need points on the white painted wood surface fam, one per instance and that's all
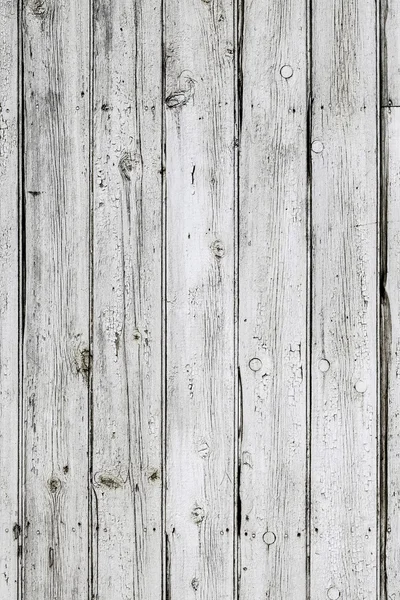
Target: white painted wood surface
(199, 300)
(126, 420)
(344, 203)
(391, 330)
(56, 358)
(390, 297)
(273, 301)
(200, 230)
(9, 292)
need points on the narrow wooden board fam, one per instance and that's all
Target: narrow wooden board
(390, 52)
(344, 315)
(56, 333)
(273, 301)
(9, 347)
(391, 352)
(127, 411)
(390, 299)
(200, 443)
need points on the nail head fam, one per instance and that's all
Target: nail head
(324, 365)
(333, 593)
(361, 386)
(317, 146)
(286, 71)
(255, 364)
(269, 537)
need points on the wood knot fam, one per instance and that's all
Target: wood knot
(183, 95)
(154, 475)
(203, 450)
(16, 531)
(39, 7)
(54, 485)
(109, 480)
(84, 362)
(198, 514)
(218, 249)
(127, 163)
(195, 584)
(137, 336)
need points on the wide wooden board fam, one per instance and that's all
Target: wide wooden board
(126, 420)
(56, 354)
(273, 298)
(200, 429)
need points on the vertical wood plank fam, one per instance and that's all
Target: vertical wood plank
(9, 527)
(344, 319)
(56, 334)
(273, 300)
(390, 298)
(390, 52)
(127, 298)
(199, 41)
(390, 352)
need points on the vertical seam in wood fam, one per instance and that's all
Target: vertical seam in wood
(92, 500)
(383, 311)
(238, 14)
(236, 461)
(309, 300)
(164, 385)
(21, 302)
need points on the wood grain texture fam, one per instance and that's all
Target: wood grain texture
(391, 350)
(199, 300)
(273, 300)
(56, 333)
(199, 40)
(390, 52)
(9, 347)
(127, 299)
(390, 299)
(344, 318)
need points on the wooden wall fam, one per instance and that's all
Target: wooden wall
(199, 299)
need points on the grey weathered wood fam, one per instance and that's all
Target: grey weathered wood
(390, 300)
(200, 444)
(390, 517)
(127, 299)
(390, 52)
(273, 301)
(56, 328)
(199, 300)
(344, 308)
(9, 529)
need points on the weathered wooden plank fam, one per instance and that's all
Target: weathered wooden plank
(390, 52)
(56, 333)
(391, 351)
(390, 299)
(344, 314)
(200, 443)
(273, 300)
(9, 529)
(127, 298)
